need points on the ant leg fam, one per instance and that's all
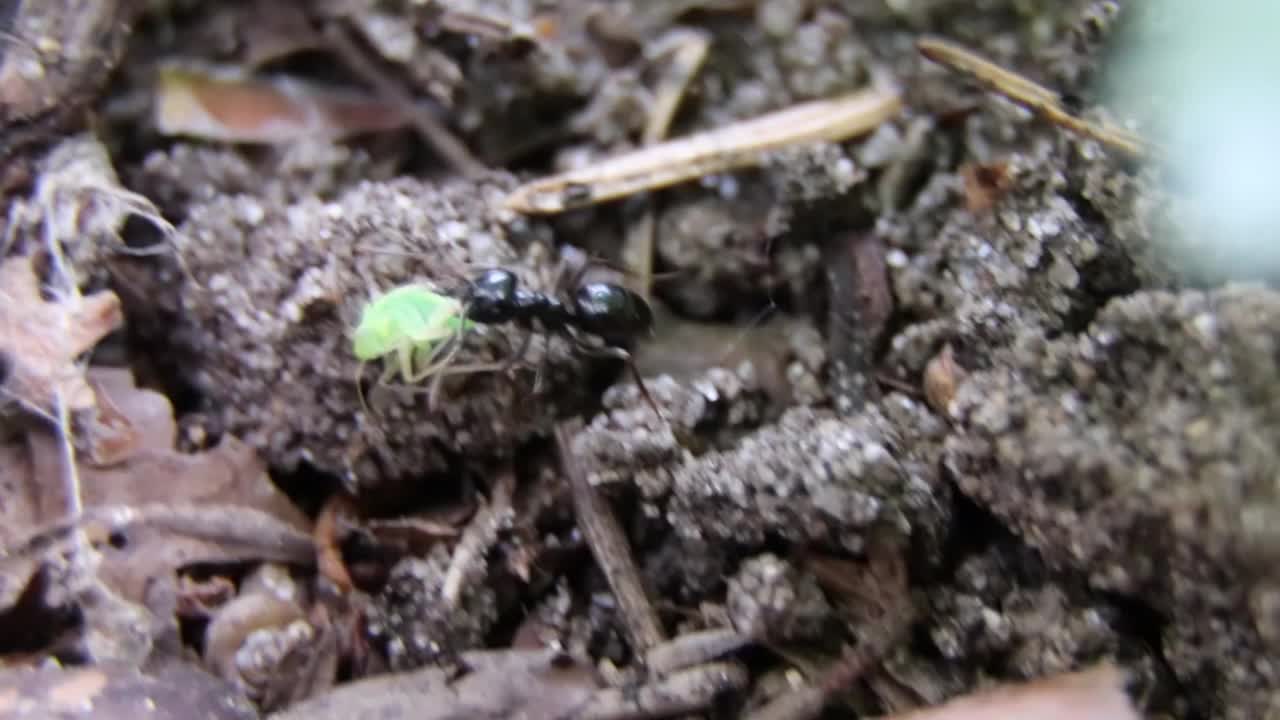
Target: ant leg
(519, 354)
(439, 370)
(625, 356)
(543, 364)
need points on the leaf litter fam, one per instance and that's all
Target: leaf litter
(962, 254)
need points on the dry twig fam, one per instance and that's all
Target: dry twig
(688, 50)
(1036, 98)
(609, 547)
(740, 145)
(476, 539)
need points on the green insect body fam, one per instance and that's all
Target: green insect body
(410, 321)
(411, 327)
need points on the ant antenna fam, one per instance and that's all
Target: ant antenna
(754, 323)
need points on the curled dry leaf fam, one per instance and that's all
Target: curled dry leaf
(232, 106)
(1094, 694)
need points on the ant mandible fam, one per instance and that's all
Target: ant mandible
(610, 312)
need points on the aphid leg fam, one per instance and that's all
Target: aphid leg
(438, 361)
(440, 369)
(364, 405)
(515, 357)
(404, 363)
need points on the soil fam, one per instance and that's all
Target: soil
(954, 341)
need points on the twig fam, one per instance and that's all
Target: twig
(1023, 91)
(254, 530)
(689, 51)
(609, 547)
(478, 537)
(81, 550)
(739, 145)
(885, 590)
(681, 692)
(435, 134)
(809, 701)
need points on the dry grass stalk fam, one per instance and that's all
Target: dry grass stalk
(1033, 96)
(742, 144)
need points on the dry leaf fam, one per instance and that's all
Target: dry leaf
(230, 106)
(219, 487)
(1093, 694)
(41, 340)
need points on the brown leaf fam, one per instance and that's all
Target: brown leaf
(229, 483)
(41, 339)
(231, 106)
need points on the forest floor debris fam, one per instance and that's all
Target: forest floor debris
(935, 415)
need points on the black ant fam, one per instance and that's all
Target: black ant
(611, 312)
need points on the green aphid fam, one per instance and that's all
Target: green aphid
(417, 331)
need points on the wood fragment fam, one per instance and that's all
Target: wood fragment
(859, 307)
(1029, 94)
(692, 649)
(681, 692)
(609, 546)
(259, 534)
(740, 145)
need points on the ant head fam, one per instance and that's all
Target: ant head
(490, 296)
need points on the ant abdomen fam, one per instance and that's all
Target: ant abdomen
(611, 311)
